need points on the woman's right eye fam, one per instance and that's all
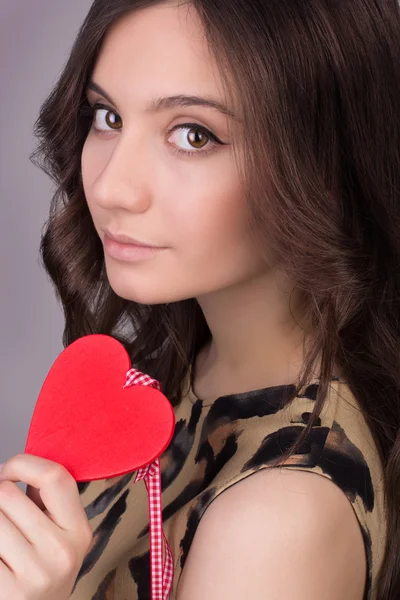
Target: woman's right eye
(103, 118)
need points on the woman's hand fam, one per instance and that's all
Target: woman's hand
(44, 535)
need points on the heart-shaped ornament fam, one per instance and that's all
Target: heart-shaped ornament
(87, 421)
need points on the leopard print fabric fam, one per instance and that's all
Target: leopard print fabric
(214, 446)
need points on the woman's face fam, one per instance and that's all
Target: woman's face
(151, 176)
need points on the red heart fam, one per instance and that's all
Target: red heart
(87, 421)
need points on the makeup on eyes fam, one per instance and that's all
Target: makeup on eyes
(91, 110)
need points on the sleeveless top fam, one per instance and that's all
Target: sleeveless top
(214, 446)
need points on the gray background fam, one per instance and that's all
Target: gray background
(35, 39)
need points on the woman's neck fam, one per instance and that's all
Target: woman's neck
(258, 338)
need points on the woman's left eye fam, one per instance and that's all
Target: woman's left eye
(199, 139)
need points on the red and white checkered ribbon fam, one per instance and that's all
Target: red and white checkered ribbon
(161, 574)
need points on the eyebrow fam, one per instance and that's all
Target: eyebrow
(170, 101)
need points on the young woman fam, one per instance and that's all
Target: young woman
(254, 144)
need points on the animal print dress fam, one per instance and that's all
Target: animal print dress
(214, 446)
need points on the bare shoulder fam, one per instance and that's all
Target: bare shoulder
(279, 533)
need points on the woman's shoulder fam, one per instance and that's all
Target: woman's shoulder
(275, 527)
(248, 432)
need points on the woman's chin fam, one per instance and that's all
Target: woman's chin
(141, 292)
(139, 296)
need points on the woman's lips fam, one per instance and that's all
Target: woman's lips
(128, 252)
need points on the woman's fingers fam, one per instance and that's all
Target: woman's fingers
(13, 546)
(7, 580)
(30, 520)
(41, 551)
(58, 491)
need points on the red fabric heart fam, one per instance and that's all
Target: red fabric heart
(87, 421)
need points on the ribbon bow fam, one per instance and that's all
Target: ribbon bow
(161, 574)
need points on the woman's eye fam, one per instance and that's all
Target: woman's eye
(105, 119)
(191, 138)
(187, 138)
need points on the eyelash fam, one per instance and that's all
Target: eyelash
(90, 111)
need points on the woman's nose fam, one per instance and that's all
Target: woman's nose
(125, 180)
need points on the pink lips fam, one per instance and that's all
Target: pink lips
(125, 239)
(129, 252)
